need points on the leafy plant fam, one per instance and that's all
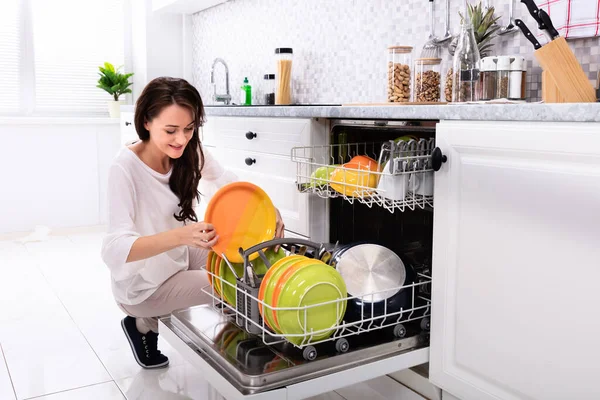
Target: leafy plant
(484, 26)
(113, 81)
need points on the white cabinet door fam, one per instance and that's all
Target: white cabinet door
(516, 261)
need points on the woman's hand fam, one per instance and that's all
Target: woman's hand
(279, 226)
(201, 235)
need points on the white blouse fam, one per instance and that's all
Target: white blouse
(141, 203)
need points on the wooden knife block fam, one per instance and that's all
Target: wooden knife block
(550, 92)
(565, 81)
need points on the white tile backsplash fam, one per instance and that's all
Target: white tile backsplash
(339, 46)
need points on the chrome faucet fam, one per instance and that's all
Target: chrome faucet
(225, 98)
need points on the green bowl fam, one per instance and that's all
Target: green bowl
(313, 284)
(259, 265)
(229, 292)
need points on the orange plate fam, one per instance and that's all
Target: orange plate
(243, 216)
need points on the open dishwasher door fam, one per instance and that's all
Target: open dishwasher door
(240, 366)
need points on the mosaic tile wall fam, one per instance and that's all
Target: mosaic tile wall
(339, 46)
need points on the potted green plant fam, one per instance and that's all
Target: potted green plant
(116, 84)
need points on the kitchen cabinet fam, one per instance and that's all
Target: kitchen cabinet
(184, 6)
(258, 150)
(128, 133)
(516, 261)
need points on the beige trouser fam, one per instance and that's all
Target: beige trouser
(182, 290)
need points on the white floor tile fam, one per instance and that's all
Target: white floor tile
(382, 388)
(48, 355)
(181, 382)
(6, 389)
(104, 391)
(327, 396)
(106, 337)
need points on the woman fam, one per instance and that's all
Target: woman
(155, 245)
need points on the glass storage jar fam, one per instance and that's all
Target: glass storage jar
(488, 77)
(503, 76)
(284, 57)
(427, 80)
(399, 74)
(269, 89)
(517, 78)
(448, 77)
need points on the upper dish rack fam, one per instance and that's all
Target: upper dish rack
(396, 175)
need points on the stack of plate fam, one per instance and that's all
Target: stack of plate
(225, 281)
(290, 287)
(243, 216)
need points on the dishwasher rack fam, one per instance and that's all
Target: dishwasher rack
(245, 313)
(398, 176)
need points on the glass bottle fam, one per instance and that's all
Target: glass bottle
(466, 63)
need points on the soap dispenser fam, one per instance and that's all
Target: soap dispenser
(246, 98)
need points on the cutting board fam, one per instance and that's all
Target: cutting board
(413, 103)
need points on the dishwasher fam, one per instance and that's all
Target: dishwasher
(244, 359)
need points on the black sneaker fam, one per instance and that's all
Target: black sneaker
(144, 346)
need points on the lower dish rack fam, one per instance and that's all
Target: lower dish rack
(368, 315)
(395, 175)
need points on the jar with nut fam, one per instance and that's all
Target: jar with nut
(399, 74)
(427, 78)
(448, 75)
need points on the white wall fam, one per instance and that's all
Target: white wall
(54, 172)
(158, 44)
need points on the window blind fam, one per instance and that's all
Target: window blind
(10, 79)
(71, 38)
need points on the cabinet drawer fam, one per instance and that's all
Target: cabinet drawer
(267, 164)
(128, 133)
(292, 205)
(265, 135)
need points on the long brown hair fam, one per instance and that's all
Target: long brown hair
(158, 94)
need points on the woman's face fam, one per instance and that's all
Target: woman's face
(171, 130)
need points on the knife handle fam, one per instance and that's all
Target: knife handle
(534, 10)
(528, 34)
(548, 23)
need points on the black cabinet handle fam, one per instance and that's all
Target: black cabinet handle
(250, 135)
(249, 161)
(127, 123)
(437, 158)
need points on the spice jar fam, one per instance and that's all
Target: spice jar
(488, 78)
(517, 78)
(503, 76)
(448, 80)
(427, 78)
(269, 89)
(399, 77)
(284, 56)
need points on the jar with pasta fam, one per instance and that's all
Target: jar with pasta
(399, 73)
(427, 80)
(283, 94)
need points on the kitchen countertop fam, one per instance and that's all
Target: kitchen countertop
(565, 112)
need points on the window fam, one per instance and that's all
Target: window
(10, 45)
(56, 75)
